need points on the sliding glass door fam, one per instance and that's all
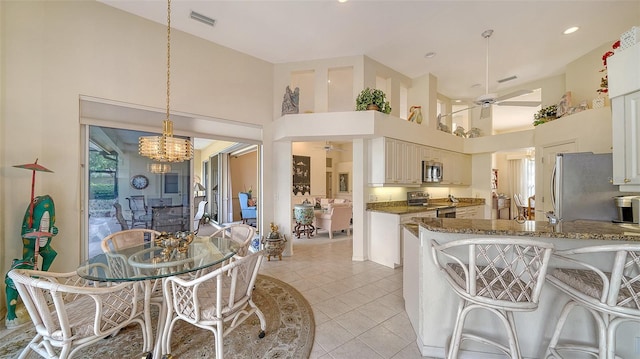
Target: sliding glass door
(127, 191)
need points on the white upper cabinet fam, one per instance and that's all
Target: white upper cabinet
(623, 71)
(402, 164)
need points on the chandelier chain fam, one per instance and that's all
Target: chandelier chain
(168, 54)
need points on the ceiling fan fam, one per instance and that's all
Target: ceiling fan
(488, 99)
(328, 147)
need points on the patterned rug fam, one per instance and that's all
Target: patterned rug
(290, 332)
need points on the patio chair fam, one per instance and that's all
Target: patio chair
(70, 313)
(213, 299)
(199, 215)
(139, 211)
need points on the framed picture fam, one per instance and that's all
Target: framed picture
(343, 182)
(301, 175)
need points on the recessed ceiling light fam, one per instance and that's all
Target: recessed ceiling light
(571, 30)
(342, 0)
(429, 55)
(457, 101)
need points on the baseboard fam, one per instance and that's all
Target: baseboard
(438, 352)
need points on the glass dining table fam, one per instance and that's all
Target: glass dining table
(150, 262)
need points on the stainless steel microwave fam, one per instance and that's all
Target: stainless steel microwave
(431, 172)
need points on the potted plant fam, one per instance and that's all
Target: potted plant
(372, 99)
(546, 114)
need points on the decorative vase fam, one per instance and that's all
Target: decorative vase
(274, 247)
(373, 107)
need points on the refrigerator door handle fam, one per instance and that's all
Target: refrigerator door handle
(553, 187)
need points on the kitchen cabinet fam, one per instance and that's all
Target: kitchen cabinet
(470, 212)
(623, 70)
(411, 276)
(456, 169)
(400, 165)
(385, 236)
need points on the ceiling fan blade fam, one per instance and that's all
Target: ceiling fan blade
(451, 113)
(513, 94)
(519, 103)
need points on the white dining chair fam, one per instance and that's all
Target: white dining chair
(499, 275)
(240, 234)
(611, 294)
(218, 301)
(70, 313)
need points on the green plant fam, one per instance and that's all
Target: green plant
(372, 97)
(545, 114)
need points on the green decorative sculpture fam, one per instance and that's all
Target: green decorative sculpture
(35, 242)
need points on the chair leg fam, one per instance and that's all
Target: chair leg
(263, 320)
(599, 352)
(506, 317)
(456, 336)
(219, 340)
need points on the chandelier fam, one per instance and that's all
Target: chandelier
(166, 148)
(157, 167)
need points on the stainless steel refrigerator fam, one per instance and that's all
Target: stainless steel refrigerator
(582, 188)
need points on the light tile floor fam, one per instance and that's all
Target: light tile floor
(358, 306)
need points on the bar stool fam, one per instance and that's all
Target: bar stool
(304, 220)
(611, 295)
(502, 275)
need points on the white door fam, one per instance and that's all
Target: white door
(548, 163)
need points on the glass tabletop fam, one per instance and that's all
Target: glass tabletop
(151, 261)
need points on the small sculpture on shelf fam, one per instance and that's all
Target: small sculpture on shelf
(290, 102)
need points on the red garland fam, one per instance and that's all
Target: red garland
(604, 82)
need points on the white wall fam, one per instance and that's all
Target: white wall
(69, 49)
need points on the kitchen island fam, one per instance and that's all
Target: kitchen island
(432, 305)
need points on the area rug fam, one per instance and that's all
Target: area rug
(290, 332)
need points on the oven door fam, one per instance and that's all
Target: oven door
(448, 212)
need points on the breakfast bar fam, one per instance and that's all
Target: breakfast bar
(431, 304)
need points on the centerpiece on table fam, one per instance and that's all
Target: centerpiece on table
(545, 115)
(372, 99)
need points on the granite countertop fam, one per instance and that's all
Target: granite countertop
(580, 229)
(400, 207)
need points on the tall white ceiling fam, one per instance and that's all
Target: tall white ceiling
(527, 40)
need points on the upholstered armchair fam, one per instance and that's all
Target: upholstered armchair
(247, 212)
(336, 217)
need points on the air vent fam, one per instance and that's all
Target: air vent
(203, 19)
(507, 79)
